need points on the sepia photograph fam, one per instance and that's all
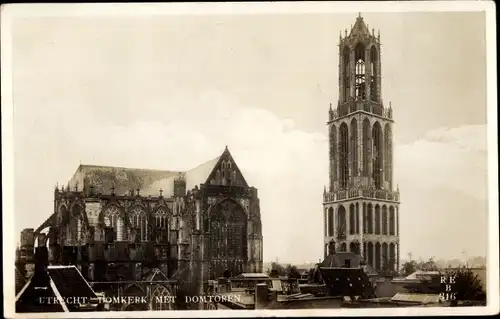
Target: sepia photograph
(279, 158)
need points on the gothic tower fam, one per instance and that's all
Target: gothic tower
(361, 207)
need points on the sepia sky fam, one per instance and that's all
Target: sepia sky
(169, 92)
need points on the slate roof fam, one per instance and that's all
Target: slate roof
(346, 282)
(193, 177)
(338, 260)
(416, 298)
(19, 280)
(104, 178)
(359, 27)
(148, 181)
(59, 282)
(253, 275)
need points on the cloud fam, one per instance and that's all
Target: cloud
(443, 184)
(288, 166)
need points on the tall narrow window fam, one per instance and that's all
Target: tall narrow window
(139, 221)
(374, 74)
(377, 154)
(346, 72)
(161, 225)
(354, 147)
(388, 154)
(333, 155)
(359, 57)
(344, 155)
(111, 221)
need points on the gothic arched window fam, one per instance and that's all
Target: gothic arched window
(228, 238)
(333, 155)
(378, 155)
(346, 72)
(114, 222)
(161, 225)
(160, 299)
(139, 221)
(359, 57)
(374, 74)
(354, 147)
(344, 155)
(388, 154)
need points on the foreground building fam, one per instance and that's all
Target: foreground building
(361, 207)
(118, 224)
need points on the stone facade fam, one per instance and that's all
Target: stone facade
(115, 222)
(361, 207)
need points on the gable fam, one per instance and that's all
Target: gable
(226, 172)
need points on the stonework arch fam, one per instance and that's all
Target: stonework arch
(354, 147)
(392, 256)
(370, 218)
(370, 254)
(112, 219)
(160, 293)
(388, 154)
(360, 71)
(343, 155)
(373, 66)
(333, 154)
(385, 256)
(228, 237)
(377, 219)
(346, 72)
(357, 231)
(384, 220)
(392, 221)
(352, 219)
(343, 247)
(331, 221)
(138, 223)
(378, 256)
(341, 221)
(378, 155)
(366, 146)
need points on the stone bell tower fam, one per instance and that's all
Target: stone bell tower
(361, 207)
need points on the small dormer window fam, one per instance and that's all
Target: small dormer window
(229, 165)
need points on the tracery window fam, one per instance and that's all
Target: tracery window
(160, 299)
(161, 225)
(114, 220)
(139, 221)
(228, 249)
(359, 57)
(161, 219)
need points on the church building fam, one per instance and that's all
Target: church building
(361, 205)
(113, 223)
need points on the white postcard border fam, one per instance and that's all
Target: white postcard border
(8, 12)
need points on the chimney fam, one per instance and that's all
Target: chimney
(40, 276)
(261, 296)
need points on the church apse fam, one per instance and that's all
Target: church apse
(119, 224)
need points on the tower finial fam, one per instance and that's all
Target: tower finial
(359, 15)
(330, 106)
(345, 32)
(378, 34)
